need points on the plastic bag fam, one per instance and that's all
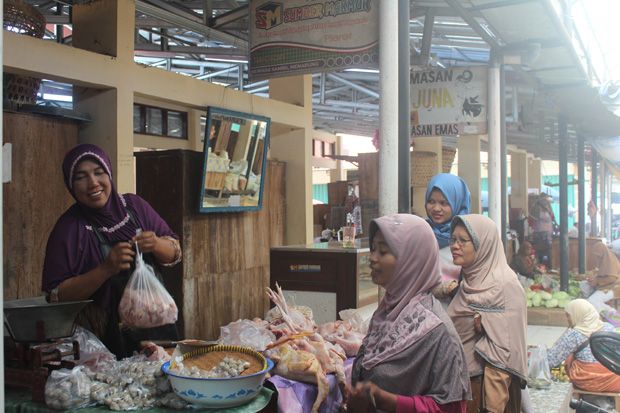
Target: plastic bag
(68, 389)
(247, 333)
(145, 302)
(538, 372)
(355, 319)
(129, 384)
(92, 351)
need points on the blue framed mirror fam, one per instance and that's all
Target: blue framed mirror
(235, 161)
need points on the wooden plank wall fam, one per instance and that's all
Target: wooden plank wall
(34, 198)
(225, 266)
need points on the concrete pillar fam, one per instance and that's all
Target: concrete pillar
(518, 180)
(469, 168)
(338, 174)
(194, 133)
(581, 167)
(388, 111)
(534, 174)
(112, 130)
(295, 148)
(603, 196)
(494, 133)
(107, 26)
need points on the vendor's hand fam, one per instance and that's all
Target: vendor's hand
(360, 398)
(119, 259)
(346, 395)
(146, 241)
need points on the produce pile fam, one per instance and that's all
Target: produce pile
(559, 374)
(544, 291)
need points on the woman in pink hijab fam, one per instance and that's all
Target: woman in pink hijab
(489, 314)
(411, 359)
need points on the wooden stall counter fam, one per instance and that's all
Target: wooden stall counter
(324, 276)
(542, 316)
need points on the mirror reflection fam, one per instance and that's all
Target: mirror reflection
(235, 156)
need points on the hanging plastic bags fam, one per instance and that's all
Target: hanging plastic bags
(146, 303)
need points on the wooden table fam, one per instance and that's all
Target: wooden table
(543, 316)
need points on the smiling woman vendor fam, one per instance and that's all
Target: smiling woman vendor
(90, 251)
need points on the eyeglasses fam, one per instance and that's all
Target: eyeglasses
(459, 242)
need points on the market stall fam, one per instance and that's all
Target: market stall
(52, 364)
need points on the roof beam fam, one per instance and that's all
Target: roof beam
(229, 17)
(500, 3)
(427, 37)
(353, 85)
(473, 23)
(192, 25)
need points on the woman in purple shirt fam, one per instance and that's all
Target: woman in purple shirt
(90, 251)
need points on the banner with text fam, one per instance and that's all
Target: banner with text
(304, 37)
(449, 102)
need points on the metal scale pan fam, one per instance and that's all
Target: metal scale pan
(35, 320)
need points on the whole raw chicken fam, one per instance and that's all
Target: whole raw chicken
(297, 335)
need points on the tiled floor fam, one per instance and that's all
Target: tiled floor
(546, 335)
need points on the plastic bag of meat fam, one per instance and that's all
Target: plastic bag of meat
(145, 302)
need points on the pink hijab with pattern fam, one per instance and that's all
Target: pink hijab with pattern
(400, 319)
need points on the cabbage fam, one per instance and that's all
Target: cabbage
(529, 294)
(562, 303)
(560, 295)
(536, 300)
(551, 303)
(574, 290)
(528, 303)
(545, 295)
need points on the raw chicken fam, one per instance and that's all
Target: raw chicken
(298, 336)
(302, 366)
(295, 320)
(343, 334)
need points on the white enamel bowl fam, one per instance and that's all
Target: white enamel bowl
(218, 393)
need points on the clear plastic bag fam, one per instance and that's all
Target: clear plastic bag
(247, 333)
(145, 302)
(539, 374)
(354, 317)
(68, 389)
(92, 351)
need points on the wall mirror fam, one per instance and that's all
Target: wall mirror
(235, 161)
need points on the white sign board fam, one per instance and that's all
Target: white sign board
(297, 36)
(449, 102)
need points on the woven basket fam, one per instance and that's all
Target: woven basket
(228, 348)
(22, 18)
(423, 167)
(447, 158)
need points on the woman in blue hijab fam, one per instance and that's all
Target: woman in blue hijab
(446, 197)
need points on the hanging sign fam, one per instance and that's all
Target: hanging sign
(295, 37)
(448, 102)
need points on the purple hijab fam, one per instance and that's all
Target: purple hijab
(413, 244)
(73, 248)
